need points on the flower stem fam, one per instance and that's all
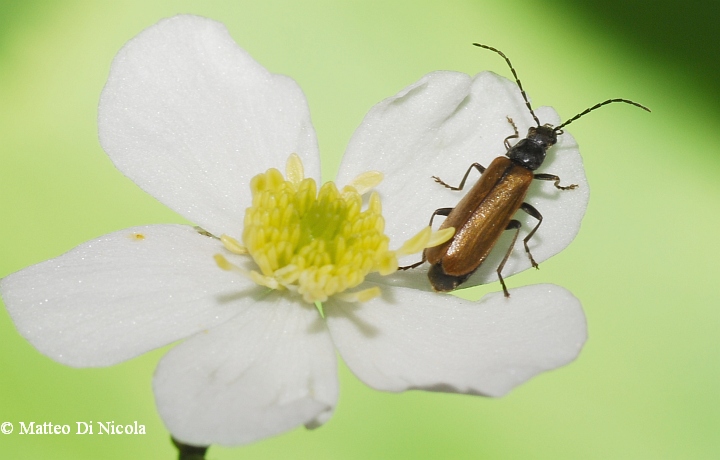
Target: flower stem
(187, 452)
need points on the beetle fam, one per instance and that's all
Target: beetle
(487, 210)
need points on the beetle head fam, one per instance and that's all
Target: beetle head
(530, 152)
(545, 135)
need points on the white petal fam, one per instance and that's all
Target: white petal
(415, 340)
(266, 371)
(191, 118)
(440, 126)
(123, 294)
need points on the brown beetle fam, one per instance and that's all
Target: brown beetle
(488, 208)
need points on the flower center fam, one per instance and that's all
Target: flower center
(320, 243)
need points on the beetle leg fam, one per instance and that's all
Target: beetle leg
(513, 224)
(528, 208)
(514, 136)
(556, 179)
(477, 166)
(415, 265)
(438, 212)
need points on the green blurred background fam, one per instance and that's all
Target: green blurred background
(644, 264)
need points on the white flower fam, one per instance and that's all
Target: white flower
(191, 118)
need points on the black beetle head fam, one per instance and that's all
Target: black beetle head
(530, 152)
(545, 135)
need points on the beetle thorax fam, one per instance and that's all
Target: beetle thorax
(530, 152)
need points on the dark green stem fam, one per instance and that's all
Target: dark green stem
(188, 452)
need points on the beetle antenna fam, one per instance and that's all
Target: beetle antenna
(597, 106)
(517, 80)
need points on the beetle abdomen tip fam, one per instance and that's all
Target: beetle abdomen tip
(441, 281)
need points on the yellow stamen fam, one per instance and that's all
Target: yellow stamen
(222, 262)
(318, 243)
(365, 182)
(294, 169)
(425, 238)
(233, 245)
(360, 296)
